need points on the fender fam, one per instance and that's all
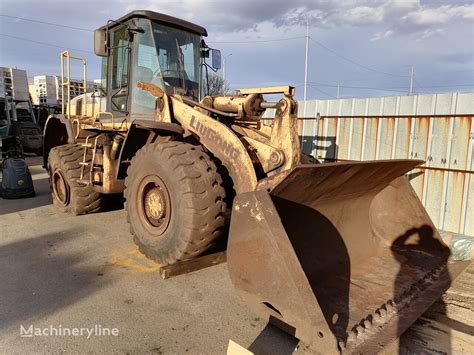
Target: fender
(57, 131)
(140, 133)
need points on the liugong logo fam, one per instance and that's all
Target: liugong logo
(214, 138)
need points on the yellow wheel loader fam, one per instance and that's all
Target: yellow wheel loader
(341, 255)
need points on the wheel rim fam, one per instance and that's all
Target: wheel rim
(60, 188)
(154, 205)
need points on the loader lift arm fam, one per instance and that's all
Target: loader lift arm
(276, 148)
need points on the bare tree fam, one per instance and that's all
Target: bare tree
(217, 85)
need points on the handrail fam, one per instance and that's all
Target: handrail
(66, 67)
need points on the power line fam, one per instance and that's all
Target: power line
(461, 71)
(47, 23)
(258, 41)
(445, 86)
(89, 30)
(318, 43)
(392, 88)
(44, 43)
(417, 83)
(357, 87)
(234, 42)
(321, 91)
(354, 62)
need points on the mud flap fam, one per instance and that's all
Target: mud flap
(343, 256)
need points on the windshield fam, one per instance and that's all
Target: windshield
(168, 58)
(178, 59)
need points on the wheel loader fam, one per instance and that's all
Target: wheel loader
(342, 255)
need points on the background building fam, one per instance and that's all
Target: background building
(14, 84)
(46, 89)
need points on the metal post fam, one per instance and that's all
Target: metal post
(62, 81)
(305, 81)
(412, 75)
(84, 101)
(68, 61)
(306, 69)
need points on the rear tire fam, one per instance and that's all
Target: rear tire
(64, 171)
(174, 201)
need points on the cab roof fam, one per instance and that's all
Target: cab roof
(158, 17)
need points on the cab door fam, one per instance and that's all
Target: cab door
(118, 67)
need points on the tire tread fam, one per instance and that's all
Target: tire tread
(200, 187)
(83, 199)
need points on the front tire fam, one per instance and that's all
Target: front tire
(64, 172)
(174, 201)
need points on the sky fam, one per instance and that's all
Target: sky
(366, 47)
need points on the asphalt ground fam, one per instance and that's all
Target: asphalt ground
(64, 271)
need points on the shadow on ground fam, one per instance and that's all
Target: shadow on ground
(39, 278)
(43, 197)
(272, 340)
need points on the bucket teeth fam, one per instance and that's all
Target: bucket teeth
(390, 307)
(383, 312)
(376, 317)
(351, 337)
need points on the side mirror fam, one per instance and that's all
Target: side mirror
(100, 43)
(216, 59)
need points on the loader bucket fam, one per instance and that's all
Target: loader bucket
(343, 256)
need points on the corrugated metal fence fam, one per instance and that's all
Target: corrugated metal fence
(436, 128)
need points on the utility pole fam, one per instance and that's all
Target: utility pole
(412, 77)
(306, 69)
(223, 65)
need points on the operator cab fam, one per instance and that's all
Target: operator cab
(154, 48)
